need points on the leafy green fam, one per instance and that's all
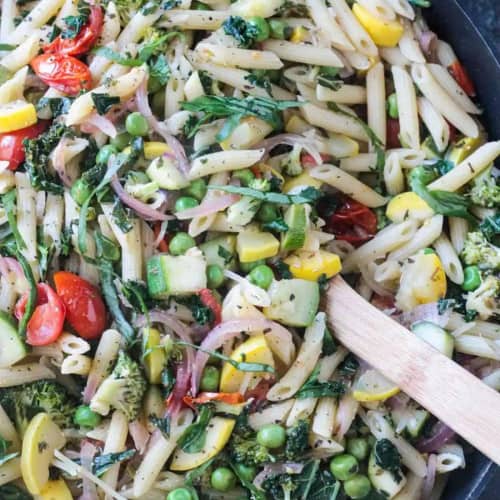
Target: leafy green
(193, 438)
(421, 3)
(243, 32)
(121, 217)
(202, 314)
(316, 484)
(159, 69)
(58, 105)
(137, 294)
(387, 456)
(328, 77)
(163, 424)
(234, 109)
(260, 80)
(490, 227)
(283, 270)
(74, 24)
(45, 254)
(297, 440)
(307, 195)
(106, 248)
(9, 205)
(255, 493)
(225, 254)
(7, 46)
(329, 345)
(277, 225)
(117, 57)
(313, 388)
(195, 474)
(103, 102)
(4, 455)
(102, 463)
(12, 492)
(349, 366)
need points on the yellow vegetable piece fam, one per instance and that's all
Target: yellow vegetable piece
(373, 386)
(299, 34)
(56, 490)
(253, 245)
(383, 33)
(152, 149)
(310, 266)
(296, 125)
(219, 432)
(303, 179)
(16, 115)
(464, 148)
(41, 438)
(408, 206)
(154, 361)
(253, 350)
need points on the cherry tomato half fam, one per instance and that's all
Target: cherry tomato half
(85, 39)
(47, 321)
(11, 143)
(309, 162)
(208, 299)
(462, 77)
(230, 398)
(85, 309)
(353, 222)
(64, 73)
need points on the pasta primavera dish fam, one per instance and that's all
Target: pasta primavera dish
(179, 181)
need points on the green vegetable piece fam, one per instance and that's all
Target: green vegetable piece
(181, 243)
(197, 189)
(261, 276)
(80, 191)
(210, 379)
(180, 494)
(344, 466)
(154, 84)
(357, 486)
(279, 29)
(136, 124)
(472, 278)
(223, 479)
(105, 153)
(392, 106)
(271, 436)
(246, 472)
(261, 28)
(121, 141)
(220, 251)
(245, 176)
(215, 276)
(247, 267)
(106, 248)
(13, 348)
(158, 102)
(185, 202)
(428, 251)
(268, 212)
(85, 417)
(200, 6)
(358, 447)
(296, 220)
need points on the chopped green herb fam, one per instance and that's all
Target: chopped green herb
(103, 102)
(102, 463)
(194, 436)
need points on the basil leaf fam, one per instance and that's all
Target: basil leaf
(193, 438)
(277, 225)
(103, 102)
(58, 105)
(102, 463)
(112, 55)
(9, 205)
(313, 388)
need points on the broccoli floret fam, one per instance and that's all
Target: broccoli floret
(122, 390)
(292, 164)
(485, 191)
(248, 451)
(479, 251)
(260, 184)
(297, 440)
(280, 486)
(485, 299)
(23, 403)
(243, 32)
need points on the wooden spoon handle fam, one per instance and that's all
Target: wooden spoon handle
(448, 391)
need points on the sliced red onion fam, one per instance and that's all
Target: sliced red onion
(425, 312)
(98, 122)
(441, 434)
(277, 468)
(143, 209)
(141, 100)
(208, 207)
(430, 477)
(140, 435)
(181, 387)
(59, 162)
(87, 453)
(291, 140)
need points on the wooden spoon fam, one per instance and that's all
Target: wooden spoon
(444, 388)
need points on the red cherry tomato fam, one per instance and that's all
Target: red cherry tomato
(462, 77)
(85, 309)
(47, 321)
(64, 73)
(393, 133)
(11, 144)
(208, 299)
(353, 222)
(84, 41)
(230, 398)
(163, 244)
(309, 162)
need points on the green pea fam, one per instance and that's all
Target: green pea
(180, 494)
(271, 436)
(197, 189)
(185, 202)
(215, 276)
(247, 267)
(279, 29)
(210, 379)
(261, 26)
(121, 141)
(357, 486)
(80, 191)
(245, 176)
(105, 153)
(261, 276)
(136, 124)
(358, 447)
(428, 251)
(268, 212)
(154, 85)
(392, 106)
(85, 417)
(181, 243)
(246, 472)
(223, 479)
(158, 102)
(343, 466)
(200, 6)
(472, 278)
